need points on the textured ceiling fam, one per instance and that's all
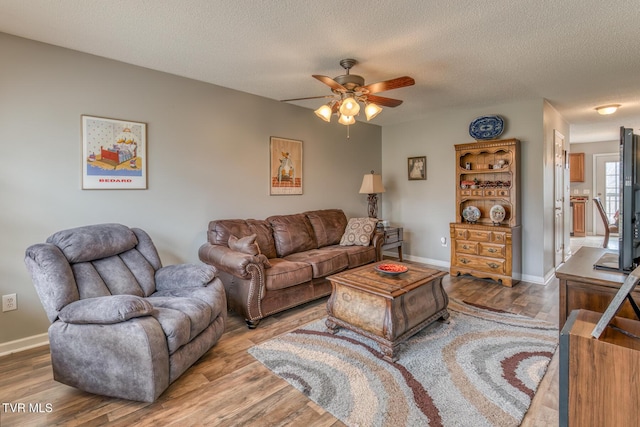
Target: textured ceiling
(577, 54)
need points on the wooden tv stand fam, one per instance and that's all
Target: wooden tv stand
(584, 287)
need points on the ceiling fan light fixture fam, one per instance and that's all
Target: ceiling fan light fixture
(371, 110)
(346, 120)
(349, 107)
(324, 112)
(607, 109)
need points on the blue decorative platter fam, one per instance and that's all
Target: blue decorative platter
(471, 214)
(486, 127)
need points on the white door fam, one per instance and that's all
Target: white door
(559, 190)
(606, 184)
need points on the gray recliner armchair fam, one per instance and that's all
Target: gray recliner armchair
(121, 324)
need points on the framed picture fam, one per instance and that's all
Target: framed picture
(286, 166)
(417, 168)
(114, 154)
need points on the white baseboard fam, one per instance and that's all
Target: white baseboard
(434, 262)
(23, 344)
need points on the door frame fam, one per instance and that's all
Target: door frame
(560, 196)
(594, 188)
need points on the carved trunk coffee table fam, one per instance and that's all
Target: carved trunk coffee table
(386, 308)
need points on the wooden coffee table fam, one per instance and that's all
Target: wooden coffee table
(388, 309)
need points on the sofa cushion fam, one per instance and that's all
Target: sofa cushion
(247, 245)
(198, 312)
(357, 255)
(285, 273)
(359, 232)
(175, 325)
(292, 234)
(328, 225)
(323, 261)
(220, 231)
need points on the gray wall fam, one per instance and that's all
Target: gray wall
(208, 158)
(425, 208)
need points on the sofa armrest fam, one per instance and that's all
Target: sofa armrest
(227, 260)
(377, 240)
(105, 310)
(184, 276)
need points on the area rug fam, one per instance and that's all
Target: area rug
(480, 369)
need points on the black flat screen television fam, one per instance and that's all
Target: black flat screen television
(628, 256)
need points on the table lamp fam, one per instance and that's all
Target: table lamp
(372, 185)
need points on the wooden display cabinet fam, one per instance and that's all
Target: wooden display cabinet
(487, 175)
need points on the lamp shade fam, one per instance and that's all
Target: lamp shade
(607, 109)
(372, 110)
(349, 107)
(324, 113)
(372, 184)
(346, 120)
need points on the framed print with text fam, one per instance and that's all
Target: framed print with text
(114, 154)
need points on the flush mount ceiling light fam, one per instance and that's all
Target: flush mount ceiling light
(607, 109)
(350, 91)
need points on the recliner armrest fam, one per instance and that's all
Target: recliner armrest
(184, 275)
(105, 310)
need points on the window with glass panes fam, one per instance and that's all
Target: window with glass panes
(612, 190)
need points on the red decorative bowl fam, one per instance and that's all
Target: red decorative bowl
(391, 269)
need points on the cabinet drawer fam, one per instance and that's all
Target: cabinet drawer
(503, 192)
(466, 247)
(481, 264)
(499, 237)
(392, 235)
(462, 233)
(491, 250)
(480, 235)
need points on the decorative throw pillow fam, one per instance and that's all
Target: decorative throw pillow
(358, 232)
(247, 245)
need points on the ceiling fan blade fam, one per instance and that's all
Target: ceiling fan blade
(330, 82)
(386, 102)
(396, 83)
(308, 97)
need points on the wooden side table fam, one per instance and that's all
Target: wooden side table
(393, 239)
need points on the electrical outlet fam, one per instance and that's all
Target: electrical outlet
(9, 302)
(443, 241)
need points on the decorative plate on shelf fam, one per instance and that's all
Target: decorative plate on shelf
(486, 127)
(471, 214)
(497, 214)
(391, 269)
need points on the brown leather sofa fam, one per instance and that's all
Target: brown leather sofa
(288, 262)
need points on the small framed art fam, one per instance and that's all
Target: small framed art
(286, 166)
(417, 168)
(114, 154)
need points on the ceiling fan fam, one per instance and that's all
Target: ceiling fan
(349, 91)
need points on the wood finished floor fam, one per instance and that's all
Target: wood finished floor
(228, 387)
